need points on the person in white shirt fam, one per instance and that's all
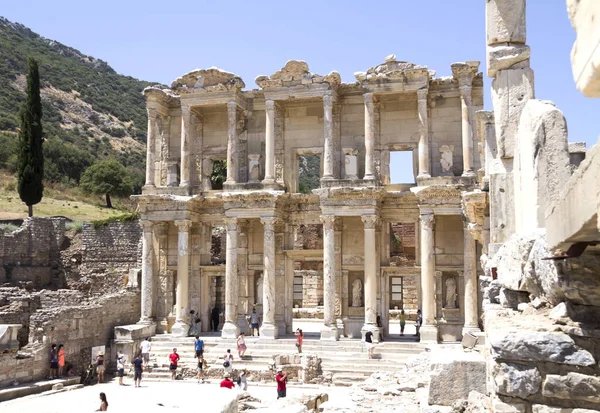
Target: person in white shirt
(145, 349)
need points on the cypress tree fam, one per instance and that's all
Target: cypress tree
(31, 157)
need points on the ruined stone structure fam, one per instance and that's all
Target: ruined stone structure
(207, 117)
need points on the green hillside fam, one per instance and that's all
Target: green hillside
(89, 111)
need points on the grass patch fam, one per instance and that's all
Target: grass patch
(6, 228)
(76, 226)
(117, 218)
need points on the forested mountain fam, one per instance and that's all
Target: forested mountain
(90, 112)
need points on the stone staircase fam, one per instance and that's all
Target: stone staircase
(346, 360)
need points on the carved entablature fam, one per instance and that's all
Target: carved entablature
(156, 203)
(252, 203)
(475, 205)
(394, 71)
(438, 194)
(208, 80)
(165, 97)
(295, 73)
(350, 194)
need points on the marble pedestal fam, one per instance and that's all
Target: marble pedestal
(180, 329)
(330, 333)
(269, 331)
(377, 332)
(230, 330)
(429, 334)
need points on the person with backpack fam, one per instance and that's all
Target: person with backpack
(202, 366)
(228, 362)
(138, 368)
(199, 346)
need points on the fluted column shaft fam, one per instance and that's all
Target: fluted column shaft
(186, 122)
(329, 331)
(470, 279)
(424, 134)
(230, 328)
(370, 252)
(268, 328)
(328, 137)
(151, 147)
(467, 130)
(429, 329)
(232, 144)
(147, 273)
(269, 142)
(369, 136)
(183, 266)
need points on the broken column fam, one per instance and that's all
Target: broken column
(585, 56)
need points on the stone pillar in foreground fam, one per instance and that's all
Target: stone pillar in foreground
(268, 328)
(147, 274)
(330, 330)
(429, 330)
(371, 279)
(424, 134)
(232, 144)
(464, 73)
(186, 130)
(470, 279)
(151, 147)
(181, 326)
(269, 142)
(230, 327)
(369, 137)
(328, 156)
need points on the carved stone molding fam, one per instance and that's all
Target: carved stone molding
(183, 225)
(370, 221)
(328, 221)
(231, 224)
(464, 72)
(269, 222)
(438, 194)
(427, 221)
(294, 73)
(163, 96)
(392, 70)
(208, 80)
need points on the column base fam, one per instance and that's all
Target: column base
(180, 329)
(428, 334)
(146, 321)
(330, 333)
(471, 330)
(469, 174)
(230, 330)
(269, 331)
(423, 176)
(268, 181)
(327, 178)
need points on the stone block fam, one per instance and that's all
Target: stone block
(454, 374)
(511, 89)
(516, 380)
(585, 55)
(505, 21)
(510, 260)
(542, 164)
(9, 336)
(502, 217)
(551, 347)
(134, 332)
(499, 406)
(58, 386)
(512, 299)
(573, 386)
(541, 408)
(503, 57)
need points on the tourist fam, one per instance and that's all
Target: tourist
(227, 383)
(103, 403)
(299, 339)
(120, 367)
(215, 319)
(173, 358)
(228, 362)
(281, 379)
(138, 368)
(419, 322)
(241, 345)
(402, 322)
(202, 366)
(61, 359)
(254, 322)
(199, 346)
(100, 367)
(145, 349)
(243, 380)
(369, 343)
(53, 362)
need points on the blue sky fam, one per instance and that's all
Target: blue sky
(158, 40)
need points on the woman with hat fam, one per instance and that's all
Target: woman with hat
(227, 383)
(281, 379)
(100, 367)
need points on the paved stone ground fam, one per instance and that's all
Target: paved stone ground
(184, 395)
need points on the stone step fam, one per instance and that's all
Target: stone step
(280, 349)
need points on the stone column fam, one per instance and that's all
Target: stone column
(329, 331)
(232, 144)
(151, 147)
(429, 330)
(147, 274)
(467, 130)
(424, 164)
(180, 328)
(186, 128)
(370, 266)
(328, 155)
(268, 328)
(269, 142)
(369, 137)
(470, 279)
(230, 328)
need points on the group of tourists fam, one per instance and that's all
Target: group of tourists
(57, 361)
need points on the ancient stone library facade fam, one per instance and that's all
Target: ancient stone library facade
(356, 244)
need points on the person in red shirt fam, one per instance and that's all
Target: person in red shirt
(227, 383)
(173, 358)
(281, 378)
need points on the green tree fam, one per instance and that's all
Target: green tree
(31, 156)
(107, 178)
(219, 174)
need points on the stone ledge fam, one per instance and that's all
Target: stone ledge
(133, 332)
(35, 388)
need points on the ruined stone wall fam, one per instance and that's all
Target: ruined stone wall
(29, 255)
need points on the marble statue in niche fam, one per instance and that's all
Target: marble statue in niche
(450, 293)
(357, 293)
(446, 160)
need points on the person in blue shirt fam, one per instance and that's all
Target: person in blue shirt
(199, 346)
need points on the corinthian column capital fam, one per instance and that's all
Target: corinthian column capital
(147, 225)
(231, 224)
(269, 222)
(370, 221)
(422, 94)
(328, 221)
(183, 225)
(427, 220)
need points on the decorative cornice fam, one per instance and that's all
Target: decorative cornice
(296, 73)
(438, 194)
(212, 79)
(392, 70)
(475, 206)
(160, 95)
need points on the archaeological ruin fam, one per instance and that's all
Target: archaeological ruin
(283, 199)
